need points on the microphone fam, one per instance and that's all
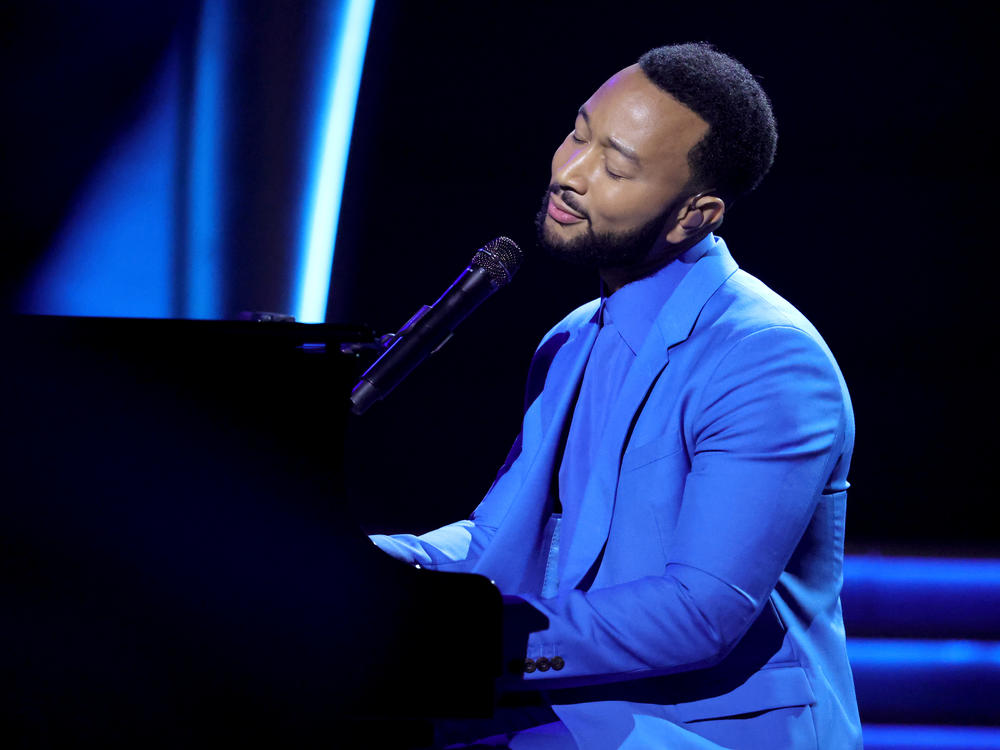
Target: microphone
(491, 267)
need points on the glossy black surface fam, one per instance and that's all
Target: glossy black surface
(178, 565)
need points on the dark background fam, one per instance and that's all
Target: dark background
(873, 222)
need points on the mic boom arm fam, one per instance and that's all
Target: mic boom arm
(431, 327)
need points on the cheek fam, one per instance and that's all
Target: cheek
(622, 207)
(562, 155)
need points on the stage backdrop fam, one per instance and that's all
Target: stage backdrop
(870, 222)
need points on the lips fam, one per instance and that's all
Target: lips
(562, 213)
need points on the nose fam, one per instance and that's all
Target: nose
(569, 170)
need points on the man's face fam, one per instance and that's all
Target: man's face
(618, 176)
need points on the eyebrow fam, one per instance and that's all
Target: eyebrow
(627, 151)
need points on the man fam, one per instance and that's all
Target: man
(675, 502)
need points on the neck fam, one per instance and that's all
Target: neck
(661, 255)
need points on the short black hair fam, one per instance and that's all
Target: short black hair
(738, 150)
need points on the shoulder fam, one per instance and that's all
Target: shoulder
(749, 334)
(566, 329)
(744, 307)
(552, 342)
(746, 302)
(580, 317)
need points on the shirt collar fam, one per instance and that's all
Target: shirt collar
(633, 308)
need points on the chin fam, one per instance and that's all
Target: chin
(554, 233)
(555, 241)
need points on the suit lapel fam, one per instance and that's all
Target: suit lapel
(586, 527)
(516, 556)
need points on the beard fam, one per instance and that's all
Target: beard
(594, 250)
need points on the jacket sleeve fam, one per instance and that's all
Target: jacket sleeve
(458, 546)
(455, 547)
(768, 426)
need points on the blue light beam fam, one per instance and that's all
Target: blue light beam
(914, 737)
(323, 203)
(203, 298)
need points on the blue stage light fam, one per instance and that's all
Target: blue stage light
(202, 292)
(346, 59)
(114, 254)
(908, 737)
(933, 682)
(926, 655)
(926, 570)
(904, 597)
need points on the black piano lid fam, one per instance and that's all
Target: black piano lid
(177, 561)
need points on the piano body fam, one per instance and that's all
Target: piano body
(177, 569)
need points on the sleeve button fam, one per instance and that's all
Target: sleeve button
(543, 664)
(529, 666)
(557, 663)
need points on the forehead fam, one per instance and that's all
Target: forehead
(635, 111)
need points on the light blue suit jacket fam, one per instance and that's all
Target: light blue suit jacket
(700, 575)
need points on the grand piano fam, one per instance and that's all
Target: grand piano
(177, 566)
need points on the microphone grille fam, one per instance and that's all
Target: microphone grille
(500, 258)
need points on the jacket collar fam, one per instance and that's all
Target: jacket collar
(679, 315)
(583, 541)
(633, 309)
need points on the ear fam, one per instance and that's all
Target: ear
(697, 218)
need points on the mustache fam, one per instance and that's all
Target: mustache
(568, 199)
